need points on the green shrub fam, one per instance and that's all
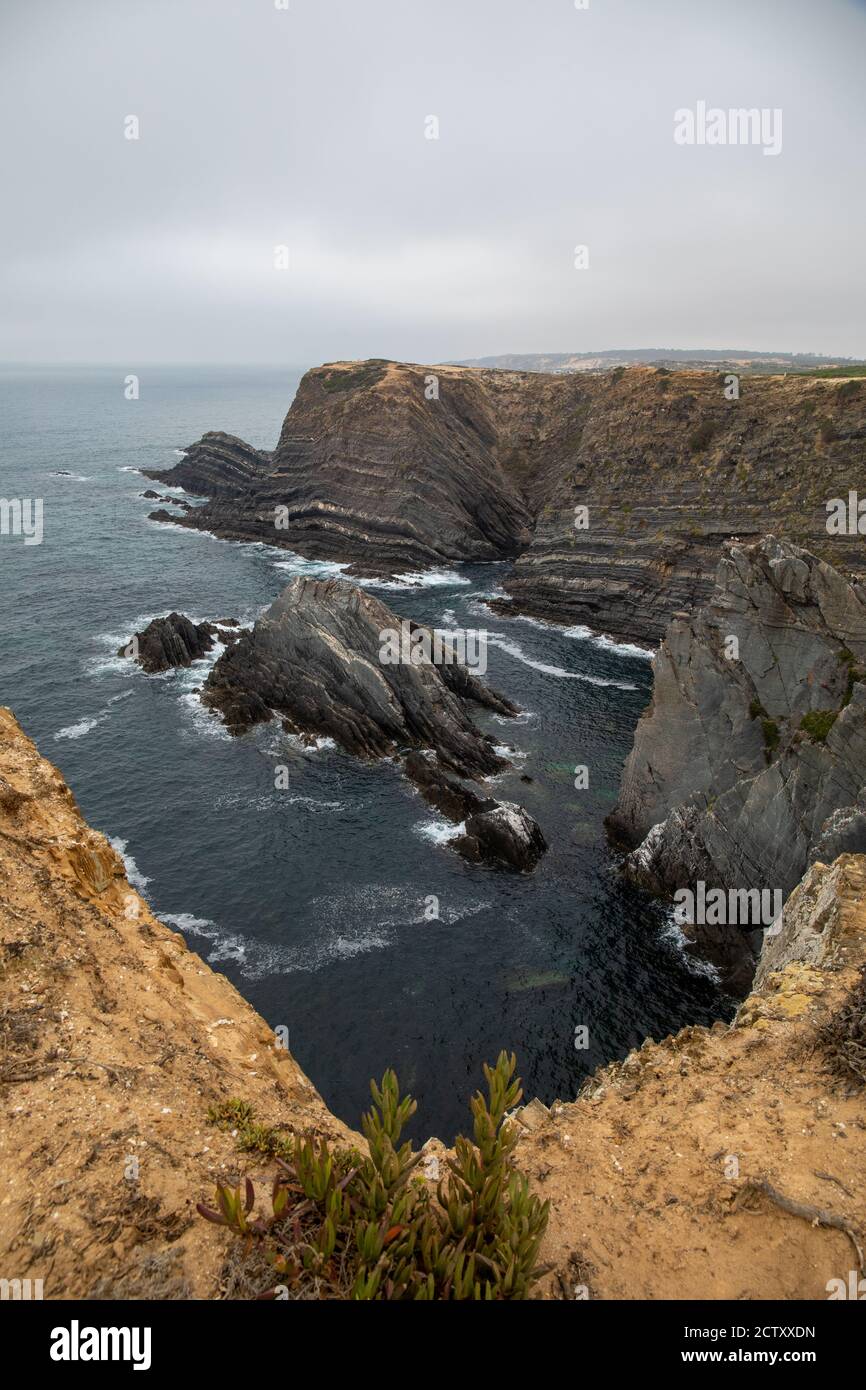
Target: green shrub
(756, 709)
(771, 737)
(818, 723)
(345, 1225)
(855, 674)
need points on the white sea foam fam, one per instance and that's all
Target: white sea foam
(673, 932)
(496, 639)
(73, 477)
(385, 909)
(226, 946)
(420, 579)
(203, 721)
(577, 631)
(77, 730)
(439, 830)
(133, 872)
(598, 639)
(321, 744)
(523, 717)
(313, 569)
(515, 755)
(89, 722)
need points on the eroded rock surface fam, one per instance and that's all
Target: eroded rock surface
(750, 762)
(176, 641)
(373, 469)
(315, 659)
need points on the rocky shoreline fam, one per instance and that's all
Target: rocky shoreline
(118, 1040)
(331, 661)
(612, 493)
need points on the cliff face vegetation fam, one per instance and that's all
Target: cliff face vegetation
(723, 1162)
(395, 467)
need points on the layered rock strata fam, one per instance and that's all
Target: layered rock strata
(396, 467)
(319, 658)
(176, 641)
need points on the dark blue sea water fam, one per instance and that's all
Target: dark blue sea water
(312, 899)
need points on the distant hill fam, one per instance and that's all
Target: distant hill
(694, 359)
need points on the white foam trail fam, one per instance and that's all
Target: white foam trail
(315, 569)
(414, 579)
(598, 639)
(204, 721)
(226, 947)
(85, 725)
(77, 730)
(497, 640)
(133, 872)
(577, 630)
(673, 932)
(73, 477)
(522, 718)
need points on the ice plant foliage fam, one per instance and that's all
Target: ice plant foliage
(342, 1224)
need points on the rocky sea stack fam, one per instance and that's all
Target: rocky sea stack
(319, 659)
(175, 641)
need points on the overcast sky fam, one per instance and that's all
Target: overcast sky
(307, 128)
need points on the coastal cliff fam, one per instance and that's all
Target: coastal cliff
(750, 762)
(395, 467)
(117, 1040)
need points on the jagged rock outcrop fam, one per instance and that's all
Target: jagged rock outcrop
(501, 832)
(176, 641)
(376, 468)
(315, 658)
(166, 642)
(217, 463)
(750, 762)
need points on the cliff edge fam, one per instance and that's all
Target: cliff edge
(722, 1162)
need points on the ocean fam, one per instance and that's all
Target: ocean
(315, 898)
